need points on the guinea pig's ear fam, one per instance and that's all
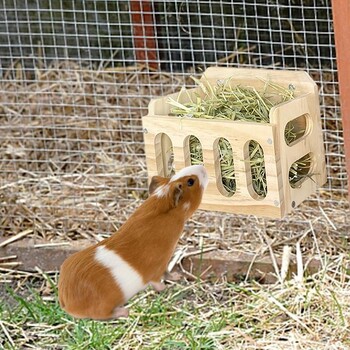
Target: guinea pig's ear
(155, 183)
(177, 192)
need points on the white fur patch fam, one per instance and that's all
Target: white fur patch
(126, 277)
(186, 206)
(161, 191)
(197, 170)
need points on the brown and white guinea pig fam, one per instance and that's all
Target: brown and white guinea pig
(96, 282)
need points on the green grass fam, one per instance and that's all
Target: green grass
(190, 315)
(170, 320)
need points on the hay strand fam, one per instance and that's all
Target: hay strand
(235, 102)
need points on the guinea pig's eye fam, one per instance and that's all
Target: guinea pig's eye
(190, 182)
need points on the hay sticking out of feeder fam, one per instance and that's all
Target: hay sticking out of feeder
(224, 101)
(239, 103)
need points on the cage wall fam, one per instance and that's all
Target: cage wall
(76, 79)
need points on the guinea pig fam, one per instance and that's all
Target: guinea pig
(96, 282)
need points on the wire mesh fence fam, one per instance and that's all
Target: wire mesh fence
(74, 85)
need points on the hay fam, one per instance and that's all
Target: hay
(73, 165)
(72, 148)
(73, 168)
(238, 103)
(311, 313)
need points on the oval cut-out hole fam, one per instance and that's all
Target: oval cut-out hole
(257, 169)
(164, 155)
(295, 129)
(300, 170)
(227, 185)
(196, 152)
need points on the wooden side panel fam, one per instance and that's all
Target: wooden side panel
(238, 134)
(311, 142)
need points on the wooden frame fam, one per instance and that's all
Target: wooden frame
(281, 198)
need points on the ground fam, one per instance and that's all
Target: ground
(313, 313)
(65, 184)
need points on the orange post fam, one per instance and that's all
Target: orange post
(341, 19)
(144, 33)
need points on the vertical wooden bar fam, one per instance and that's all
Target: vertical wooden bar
(144, 33)
(341, 19)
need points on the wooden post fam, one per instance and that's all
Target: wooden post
(341, 19)
(144, 33)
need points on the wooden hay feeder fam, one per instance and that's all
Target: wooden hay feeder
(165, 135)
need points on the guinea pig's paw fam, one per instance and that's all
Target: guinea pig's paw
(158, 286)
(172, 276)
(120, 312)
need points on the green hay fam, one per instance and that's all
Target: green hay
(227, 166)
(227, 102)
(195, 151)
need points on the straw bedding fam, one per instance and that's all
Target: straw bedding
(73, 165)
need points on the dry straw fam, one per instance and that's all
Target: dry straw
(239, 103)
(75, 174)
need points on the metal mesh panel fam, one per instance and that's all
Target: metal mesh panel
(74, 85)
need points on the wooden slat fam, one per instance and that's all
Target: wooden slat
(208, 131)
(234, 265)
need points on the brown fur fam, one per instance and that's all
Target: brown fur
(146, 241)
